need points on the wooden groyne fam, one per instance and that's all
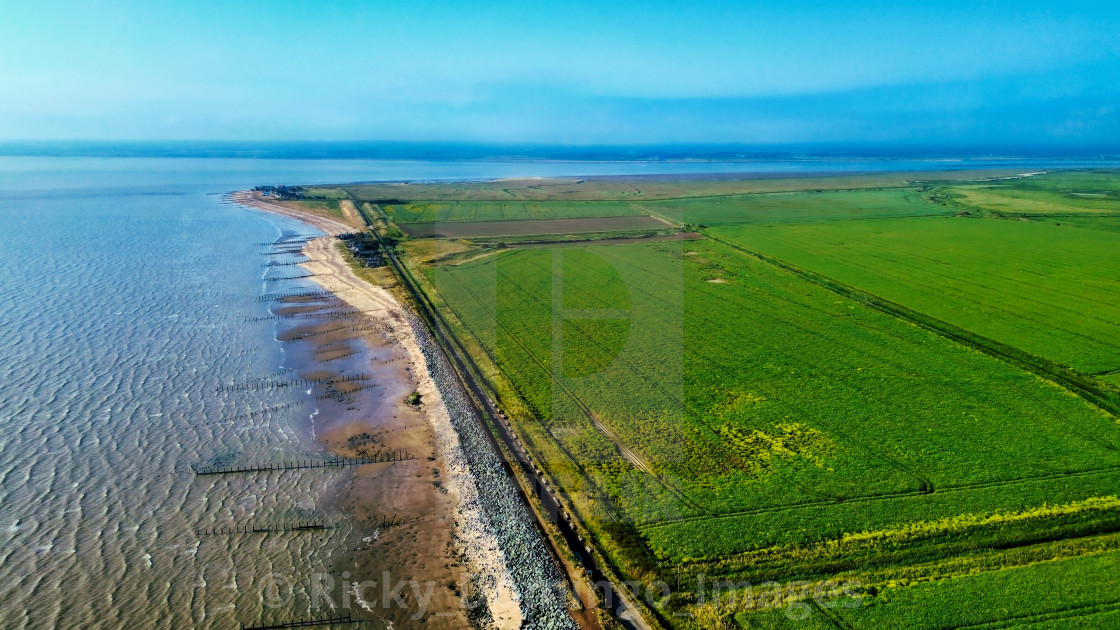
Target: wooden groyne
(316, 333)
(307, 623)
(342, 312)
(379, 327)
(268, 383)
(281, 278)
(341, 355)
(336, 394)
(395, 456)
(290, 241)
(298, 526)
(269, 297)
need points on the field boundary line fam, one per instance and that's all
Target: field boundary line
(759, 193)
(507, 220)
(1061, 375)
(634, 199)
(1069, 613)
(831, 616)
(869, 498)
(930, 268)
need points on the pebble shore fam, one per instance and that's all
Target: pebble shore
(532, 575)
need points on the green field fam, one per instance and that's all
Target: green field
(762, 207)
(1043, 288)
(796, 207)
(1078, 592)
(698, 395)
(534, 227)
(906, 387)
(510, 211)
(325, 192)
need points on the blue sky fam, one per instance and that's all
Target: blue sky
(948, 73)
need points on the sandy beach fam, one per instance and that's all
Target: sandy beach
(420, 519)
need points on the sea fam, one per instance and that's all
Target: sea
(136, 350)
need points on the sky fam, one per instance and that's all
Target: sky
(975, 73)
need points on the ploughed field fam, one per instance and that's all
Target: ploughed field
(908, 388)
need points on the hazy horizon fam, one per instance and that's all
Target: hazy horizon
(473, 151)
(873, 75)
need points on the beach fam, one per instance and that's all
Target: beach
(418, 520)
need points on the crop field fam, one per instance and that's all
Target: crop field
(763, 207)
(531, 227)
(1075, 592)
(796, 207)
(1050, 290)
(1078, 592)
(325, 192)
(819, 419)
(1105, 223)
(418, 213)
(770, 377)
(717, 416)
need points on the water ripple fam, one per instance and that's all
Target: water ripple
(120, 314)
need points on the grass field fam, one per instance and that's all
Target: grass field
(796, 207)
(881, 431)
(532, 227)
(761, 207)
(418, 213)
(1050, 290)
(820, 419)
(326, 192)
(1079, 592)
(744, 409)
(328, 208)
